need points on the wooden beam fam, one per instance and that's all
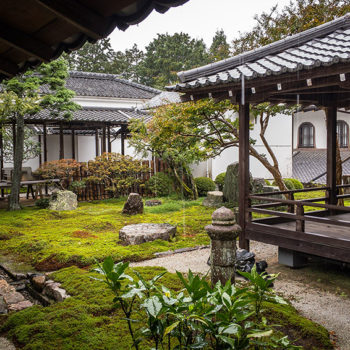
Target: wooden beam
(243, 172)
(331, 120)
(40, 152)
(109, 139)
(25, 43)
(61, 151)
(97, 146)
(104, 149)
(73, 144)
(45, 142)
(79, 16)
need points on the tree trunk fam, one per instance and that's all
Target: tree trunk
(17, 165)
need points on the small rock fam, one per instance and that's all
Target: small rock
(63, 200)
(20, 306)
(141, 233)
(38, 283)
(3, 306)
(54, 291)
(13, 298)
(153, 202)
(214, 199)
(20, 276)
(134, 205)
(5, 288)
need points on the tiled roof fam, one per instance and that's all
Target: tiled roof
(165, 97)
(325, 45)
(106, 85)
(308, 165)
(87, 114)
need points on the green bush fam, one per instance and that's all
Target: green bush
(288, 182)
(160, 184)
(204, 185)
(220, 180)
(42, 203)
(296, 184)
(268, 183)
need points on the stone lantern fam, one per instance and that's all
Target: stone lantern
(223, 233)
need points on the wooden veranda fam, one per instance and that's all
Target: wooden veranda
(310, 68)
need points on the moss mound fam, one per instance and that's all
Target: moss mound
(88, 320)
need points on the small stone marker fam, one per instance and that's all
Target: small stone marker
(223, 233)
(141, 233)
(214, 199)
(134, 205)
(153, 202)
(63, 200)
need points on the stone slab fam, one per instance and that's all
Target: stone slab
(141, 233)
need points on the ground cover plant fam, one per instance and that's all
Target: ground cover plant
(89, 319)
(50, 240)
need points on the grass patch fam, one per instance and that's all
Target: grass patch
(87, 320)
(50, 240)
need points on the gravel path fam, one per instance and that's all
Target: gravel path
(328, 309)
(6, 344)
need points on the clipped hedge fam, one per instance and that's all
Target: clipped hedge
(220, 180)
(204, 185)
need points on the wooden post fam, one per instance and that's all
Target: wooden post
(45, 142)
(104, 149)
(61, 142)
(300, 224)
(331, 114)
(97, 143)
(243, 172)
(109, 139)
(122, 140)
(73, 144)
(1, 159)
(41, 149)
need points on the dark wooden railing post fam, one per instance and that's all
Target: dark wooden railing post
(291, 207)
(300, 224)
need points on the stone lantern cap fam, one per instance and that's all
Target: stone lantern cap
(223, 217)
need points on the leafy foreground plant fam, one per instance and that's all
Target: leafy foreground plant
(199, 316)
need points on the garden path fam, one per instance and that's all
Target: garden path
(312, 292)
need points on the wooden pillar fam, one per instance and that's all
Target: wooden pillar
(97, 148)
(73, 144)
(104, 149)
(243, 172)
(61, 142)
(331, 113)
(45, 142)
(109, 139)
(122, 140)
(41, 150)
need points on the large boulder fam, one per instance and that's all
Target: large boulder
(141, 233)
(63, 200)
(134, 204)
(231, 184)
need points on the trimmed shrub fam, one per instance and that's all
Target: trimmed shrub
(296, 183)
(220, 180)
(268, 183)
(160, 185)
(204, 185)
(42, 203)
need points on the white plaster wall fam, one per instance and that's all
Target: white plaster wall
(279, 137)
(318, 119)
(108, 102)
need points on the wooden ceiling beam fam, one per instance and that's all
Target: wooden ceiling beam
(81, 17)
(25, 43)
(8, 68)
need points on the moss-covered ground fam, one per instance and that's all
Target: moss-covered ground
(50, 240)
(88, 320)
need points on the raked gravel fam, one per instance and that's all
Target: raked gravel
(330, 310)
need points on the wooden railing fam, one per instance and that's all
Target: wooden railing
(296, 208)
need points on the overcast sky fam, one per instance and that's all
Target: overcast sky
(199, 18)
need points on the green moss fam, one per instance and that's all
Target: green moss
(307, 333)
(88, 320)
(50, 240)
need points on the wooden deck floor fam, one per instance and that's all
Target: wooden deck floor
(326, 230)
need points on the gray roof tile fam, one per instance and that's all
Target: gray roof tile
(321, 46)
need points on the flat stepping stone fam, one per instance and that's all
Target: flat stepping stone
(214, 199)
(141, 233)
(6, 344)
